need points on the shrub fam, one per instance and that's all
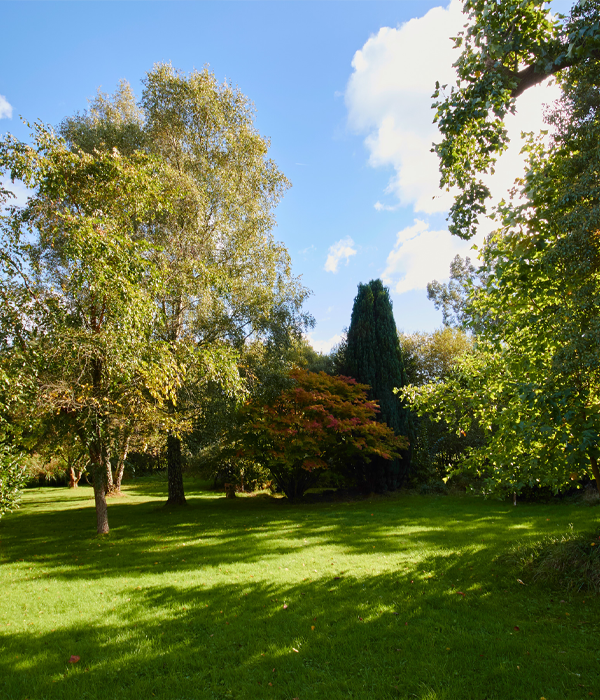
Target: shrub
(320, 422)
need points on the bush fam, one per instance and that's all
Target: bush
(40, 472)
(12, 478)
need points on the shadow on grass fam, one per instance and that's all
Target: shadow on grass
(411, 605)
(214, 532)
(375, 637)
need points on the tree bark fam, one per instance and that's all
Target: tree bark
(109, 484)
(595, 472)
(74, 478)
(174, 473)
(121, 463)
(97, 458)
(98, 465)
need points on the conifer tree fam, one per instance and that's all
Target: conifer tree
(373, 356)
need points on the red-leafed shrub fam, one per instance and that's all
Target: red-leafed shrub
(320, 422)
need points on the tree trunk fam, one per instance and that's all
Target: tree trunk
(110, 487)
(74, 478)
(98, 464)
(595, 472)
(174, 473)
(121, 463)
(97, 458)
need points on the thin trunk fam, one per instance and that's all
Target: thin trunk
(110, 487)
(121, 463)
(595, 472)
(97, 459)
(174, 473)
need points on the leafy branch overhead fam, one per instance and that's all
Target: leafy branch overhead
(506, 47)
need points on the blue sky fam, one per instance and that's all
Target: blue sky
(342, 89)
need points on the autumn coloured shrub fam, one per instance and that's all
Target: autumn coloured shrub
(320, 422)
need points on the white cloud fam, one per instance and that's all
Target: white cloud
(343, 250)
(324, 346)
(20, 191)
(421, 255)
(385, 207)
(389, 99)
(6, 109)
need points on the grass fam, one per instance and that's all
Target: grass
(570, 561)
(401, 597)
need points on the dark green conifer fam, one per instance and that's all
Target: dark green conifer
(373, 356)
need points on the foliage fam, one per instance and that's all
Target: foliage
(533, 380)
(320, 422)
(430, 358)
(226, 283)
(338, 354)
(12, 478)
(506, 47)
(82, 302)
(373, 356)
(303, 355)
(453, 298)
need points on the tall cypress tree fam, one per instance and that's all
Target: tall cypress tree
(373, 356)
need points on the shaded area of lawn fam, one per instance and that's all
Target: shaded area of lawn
(403, 594)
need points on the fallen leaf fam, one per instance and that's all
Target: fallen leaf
(74, 659)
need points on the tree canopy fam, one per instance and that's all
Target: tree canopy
(226, 283)
(80, 293)
(506, 47)
(533, 379)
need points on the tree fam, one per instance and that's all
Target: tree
(303, 355)
(320, 422)
(226, 282)
(430, 359)
(507, 47)
(12, 478)
(373, 357)
(533, 380)
(453, 297)
(87, 288)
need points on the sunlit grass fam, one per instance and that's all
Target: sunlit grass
(396, 597)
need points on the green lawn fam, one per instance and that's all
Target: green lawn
(259, 598)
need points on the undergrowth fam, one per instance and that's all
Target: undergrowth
(569, 562)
